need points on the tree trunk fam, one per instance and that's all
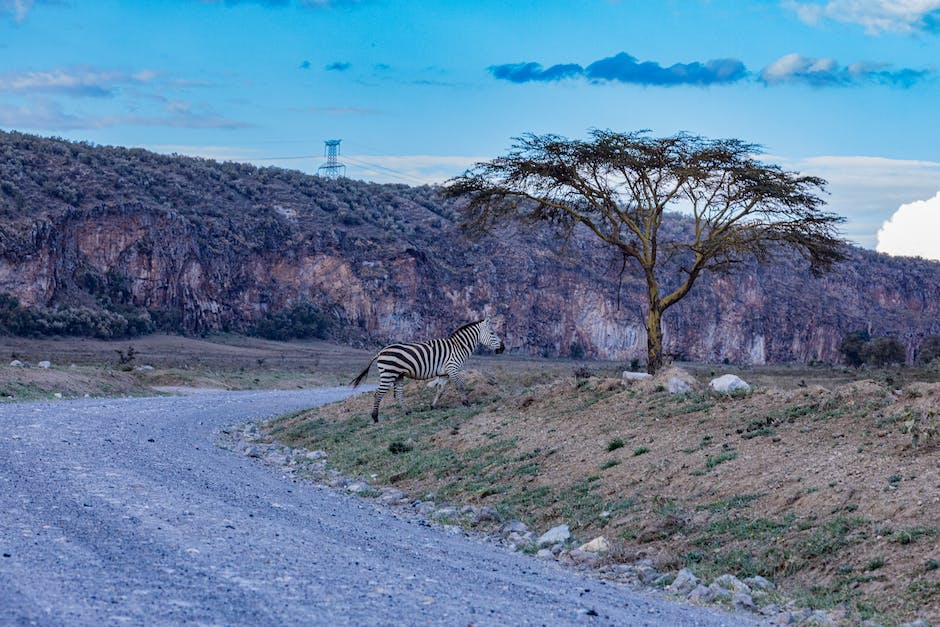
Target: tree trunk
(654, 340)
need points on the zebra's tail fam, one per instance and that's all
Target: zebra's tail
(362, 375)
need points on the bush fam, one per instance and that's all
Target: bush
(859, 348)
(299, 321)
(852, 346)
(79, 321)
(576, 350)
(884, 351)
(929, 350)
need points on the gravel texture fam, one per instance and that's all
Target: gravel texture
(128, 511)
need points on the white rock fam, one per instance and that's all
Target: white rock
(554, 535)
(719, 592)
(732, 583)
(144, 368)
(635, 376)
(743, 601)
(16, 363)
(393, 496)
(44, 364)
(647, 574)
(597, 545)
(513, 525)
(727, 383)
(678, 386)
(760, 583)
(701, 594)
(685, 582)
(583, 558)
(519, 539)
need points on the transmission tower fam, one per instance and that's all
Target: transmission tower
(332, 169)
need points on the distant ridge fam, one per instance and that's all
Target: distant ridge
(194, 246)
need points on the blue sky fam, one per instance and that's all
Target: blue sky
(418, 91)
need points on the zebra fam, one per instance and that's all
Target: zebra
(442, 358)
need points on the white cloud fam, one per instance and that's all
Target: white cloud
(826, 72)
(81, 81)
(17, 9)
(795, 67)
(867, 190)
(877, 16)
(913, 230)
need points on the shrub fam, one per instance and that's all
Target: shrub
(299, 321)
(884, 351)
(852, 346)
(929, 350)
(78, 321)
(576, 350)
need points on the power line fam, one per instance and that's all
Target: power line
(383, 168)
(375, 168)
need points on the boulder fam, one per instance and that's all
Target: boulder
(554, 535)
(44, 364)
(675, 385)
(701, 594)
(513, 526)
(635, 376)
(732, 583)
(760, 583)
(728, 383)
(583, 558)
(743, 601)
(597, 545)
(685, 582)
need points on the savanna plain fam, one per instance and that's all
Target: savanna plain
(823, 479)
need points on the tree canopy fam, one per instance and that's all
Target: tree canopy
(620, 185)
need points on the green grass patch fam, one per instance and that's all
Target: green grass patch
(739, 501)
(913, 534)
(614, 444)
(725, 455)
(705, 442)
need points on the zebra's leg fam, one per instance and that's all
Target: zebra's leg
(385, 384)
(400, 394)
(441, 383)
(454, 375)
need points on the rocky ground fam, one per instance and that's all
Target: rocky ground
(831, 494)
(755, 594)
(823, 481)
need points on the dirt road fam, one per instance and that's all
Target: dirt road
(126, 511)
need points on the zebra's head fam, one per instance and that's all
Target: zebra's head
(488, 337)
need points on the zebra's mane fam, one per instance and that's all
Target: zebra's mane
(466, 326)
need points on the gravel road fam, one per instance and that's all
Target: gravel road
(126, 511)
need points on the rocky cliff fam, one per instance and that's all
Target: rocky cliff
(197, 246)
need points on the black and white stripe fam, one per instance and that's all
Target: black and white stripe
(427, 360)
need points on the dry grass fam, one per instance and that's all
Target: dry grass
(818, 488)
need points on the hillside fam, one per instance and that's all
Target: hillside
(124, 240)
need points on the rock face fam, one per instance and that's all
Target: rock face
(200, 246)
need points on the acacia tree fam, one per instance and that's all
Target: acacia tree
(620, 185)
